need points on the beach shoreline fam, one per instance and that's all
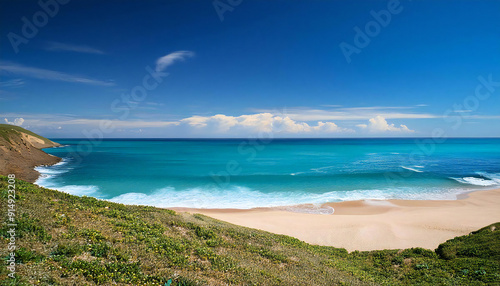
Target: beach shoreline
(374, 224)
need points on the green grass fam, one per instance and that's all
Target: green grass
(6, 130)
(69, 240)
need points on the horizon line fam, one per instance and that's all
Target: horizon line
(255, 138)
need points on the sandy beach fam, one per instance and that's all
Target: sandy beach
(371, 225)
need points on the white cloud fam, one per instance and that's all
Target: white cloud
(17, 121)
(220, 125)
(261, 122)
(165, 61)
(352, 113)
(16, 69)
(56, 46)
(378, 124)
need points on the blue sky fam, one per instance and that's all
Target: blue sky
(244, 68)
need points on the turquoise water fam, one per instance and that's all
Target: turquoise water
(240, 173)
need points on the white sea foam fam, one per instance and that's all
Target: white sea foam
(494, 177)
(54, 169)
(64, 161)
(245, 198)
(46, 181)
(314, 170)
(321, 169)
(49, 173)
(476, 181)
(412, 169)
(62, 146)
(79, 190)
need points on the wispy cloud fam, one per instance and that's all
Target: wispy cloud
(117, 123)
(481, 116)
(12, 83)
(56, 46)
(20, 70)
(47, 120)
(375, 108)
(353, 113)
(165, 61)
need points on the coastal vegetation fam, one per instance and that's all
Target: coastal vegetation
(63, 239)
(7, 130)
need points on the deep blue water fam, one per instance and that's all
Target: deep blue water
(239, 173)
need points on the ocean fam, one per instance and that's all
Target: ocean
(286, 173)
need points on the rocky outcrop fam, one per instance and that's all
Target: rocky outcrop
(20, 152)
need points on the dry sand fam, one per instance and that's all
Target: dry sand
(369, 225)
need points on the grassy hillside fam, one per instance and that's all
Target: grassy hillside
(69, 240)
(7, 129)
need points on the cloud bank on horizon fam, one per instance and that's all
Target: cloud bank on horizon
(220, 125)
